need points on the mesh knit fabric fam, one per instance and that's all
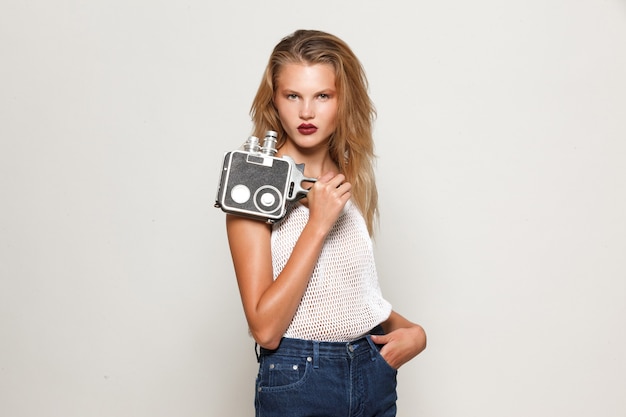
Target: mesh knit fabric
(343, 300)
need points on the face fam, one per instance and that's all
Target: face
(306, 100)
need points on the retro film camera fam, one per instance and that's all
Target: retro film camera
(254, 183)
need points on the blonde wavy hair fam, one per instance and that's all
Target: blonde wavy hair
(351, 145)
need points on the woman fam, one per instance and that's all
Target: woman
(330, 344)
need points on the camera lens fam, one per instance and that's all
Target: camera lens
(252, 144)
(269, 143)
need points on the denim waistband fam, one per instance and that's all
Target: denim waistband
(314, 349)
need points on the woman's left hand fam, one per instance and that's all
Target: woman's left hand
(401, 345)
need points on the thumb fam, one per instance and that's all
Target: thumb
(380, 339)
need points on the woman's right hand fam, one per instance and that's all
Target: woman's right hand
(326, 199)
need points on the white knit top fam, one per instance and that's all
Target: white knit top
(343, 300)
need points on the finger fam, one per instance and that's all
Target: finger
(331, 177)
(337, 180)
(344, 187)
(326, 177)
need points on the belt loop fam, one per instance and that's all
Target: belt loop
(316, 354)
(373, 348)
(257, 352)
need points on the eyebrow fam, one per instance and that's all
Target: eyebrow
(292, 91)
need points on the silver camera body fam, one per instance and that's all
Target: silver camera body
(256, 184)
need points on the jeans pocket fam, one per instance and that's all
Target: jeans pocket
(278, 373)
(383, 362)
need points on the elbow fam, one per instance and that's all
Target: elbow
(270, 344)
(267, 339)
(422, 340)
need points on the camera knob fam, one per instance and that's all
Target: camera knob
(268, 199)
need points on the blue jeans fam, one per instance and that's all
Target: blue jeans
(303, 378)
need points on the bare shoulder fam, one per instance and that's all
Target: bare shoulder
(249, 241)
(242, 228)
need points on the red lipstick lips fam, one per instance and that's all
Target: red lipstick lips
(307, 129)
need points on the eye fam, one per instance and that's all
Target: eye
(292, 96)
(324, 96)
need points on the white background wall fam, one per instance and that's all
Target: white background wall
(502, 146)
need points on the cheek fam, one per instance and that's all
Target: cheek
(284, 118)
(284, 125)
(332, 115)
(283, 111)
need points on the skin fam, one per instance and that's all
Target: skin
(305, 94)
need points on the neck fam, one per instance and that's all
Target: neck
(316, 162)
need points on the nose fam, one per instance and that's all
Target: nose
(306, 111)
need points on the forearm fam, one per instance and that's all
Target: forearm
(396, 321)
(269, 304)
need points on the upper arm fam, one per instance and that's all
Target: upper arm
(250, 248)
